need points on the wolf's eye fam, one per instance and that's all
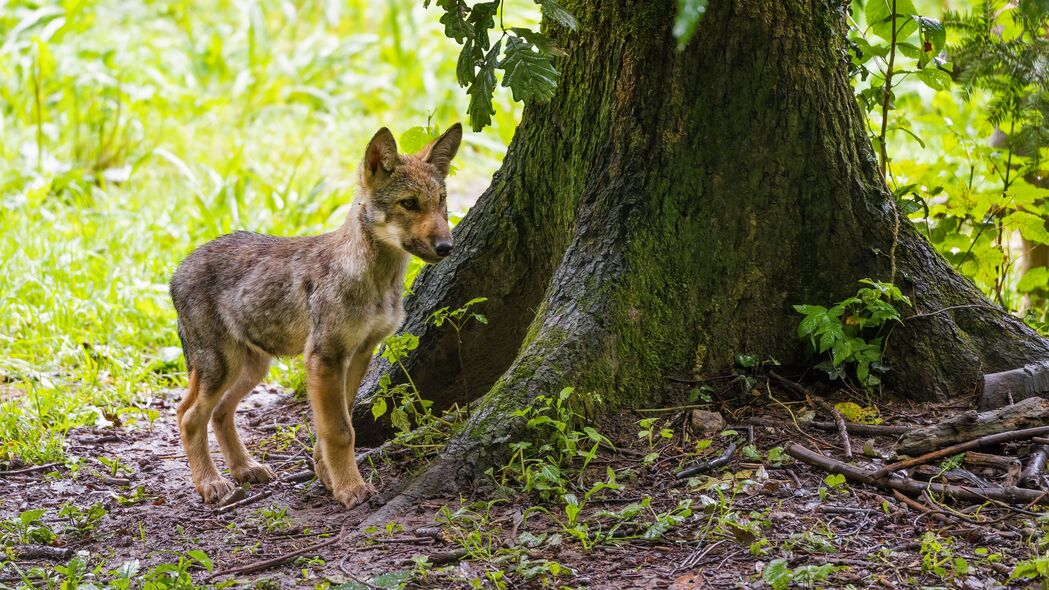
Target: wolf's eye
(409, 204)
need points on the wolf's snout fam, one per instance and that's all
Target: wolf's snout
(443, 248)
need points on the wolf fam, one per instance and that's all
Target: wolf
(245, 298)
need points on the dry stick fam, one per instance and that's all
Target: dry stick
(29, 470)
(249, 500)
(719, 461)
(983, 441)
(853, 428)
(1032, 473)
(843, 432)
(1012, 495)
(285, 558)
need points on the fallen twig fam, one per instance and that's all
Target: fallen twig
(299, 476)
(719, 461)
(1032, 472)
(839, 422)
(1011, 495)
(42, 552)
(843, 432)
(991, 439)
(851, 427)
(249, 500)
(30, 470)
(285, 558)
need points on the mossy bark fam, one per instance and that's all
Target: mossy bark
(664, 212)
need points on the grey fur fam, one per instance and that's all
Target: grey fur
(244, 298)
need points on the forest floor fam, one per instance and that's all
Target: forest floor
(123, 507)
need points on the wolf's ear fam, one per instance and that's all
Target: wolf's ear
(381, 156)
(440, 152)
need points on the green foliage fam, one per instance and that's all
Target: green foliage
(969, 168)
(523, 54)
(779, 576)
(689, 12)
(552, 447)
(850, 331)
(27, 527)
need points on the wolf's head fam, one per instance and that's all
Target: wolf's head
(404, 196)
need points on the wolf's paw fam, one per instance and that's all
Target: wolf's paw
(252, 472)
(351, 496)
(322, 472)
(213, 490)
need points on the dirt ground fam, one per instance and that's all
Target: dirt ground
(743, 516)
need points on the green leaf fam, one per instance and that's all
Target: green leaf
(468, 60)
(1032, 227)
(399, 419)
(934, 78)
(878, 14)
(1036, 279)
(527, 71)
(541, 41)
(554, 11)
(482, 89)
(415, 139)
(482, 18)
(455, 26)
(689, 12)
(777, 574)
(378, 408)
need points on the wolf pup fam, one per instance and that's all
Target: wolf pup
(244, 298)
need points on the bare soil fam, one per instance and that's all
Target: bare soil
(874, 538)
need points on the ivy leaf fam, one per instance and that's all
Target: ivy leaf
(556, 12)
(482, 89)
(527, 71)
(688, 14)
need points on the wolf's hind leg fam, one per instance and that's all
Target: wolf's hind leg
(241, 465)
(206, 384)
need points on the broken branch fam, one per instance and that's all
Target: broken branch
(1010, 495)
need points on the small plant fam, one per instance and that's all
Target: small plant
(458, 319)
(82, 520)
(538, 465)
(274, 518)
(27, 528)
(834, 481)
(850, 331)
(938, 558)
(779, 576)
(1036, 568)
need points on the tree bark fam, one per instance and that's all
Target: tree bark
(664, 212)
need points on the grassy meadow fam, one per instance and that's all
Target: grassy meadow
(131, 132)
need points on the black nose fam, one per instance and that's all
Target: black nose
(443, 248)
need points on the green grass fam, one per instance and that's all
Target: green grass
(131, 132)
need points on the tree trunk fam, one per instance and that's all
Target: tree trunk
(664, 212)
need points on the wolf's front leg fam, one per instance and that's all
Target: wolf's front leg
(337, 465)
